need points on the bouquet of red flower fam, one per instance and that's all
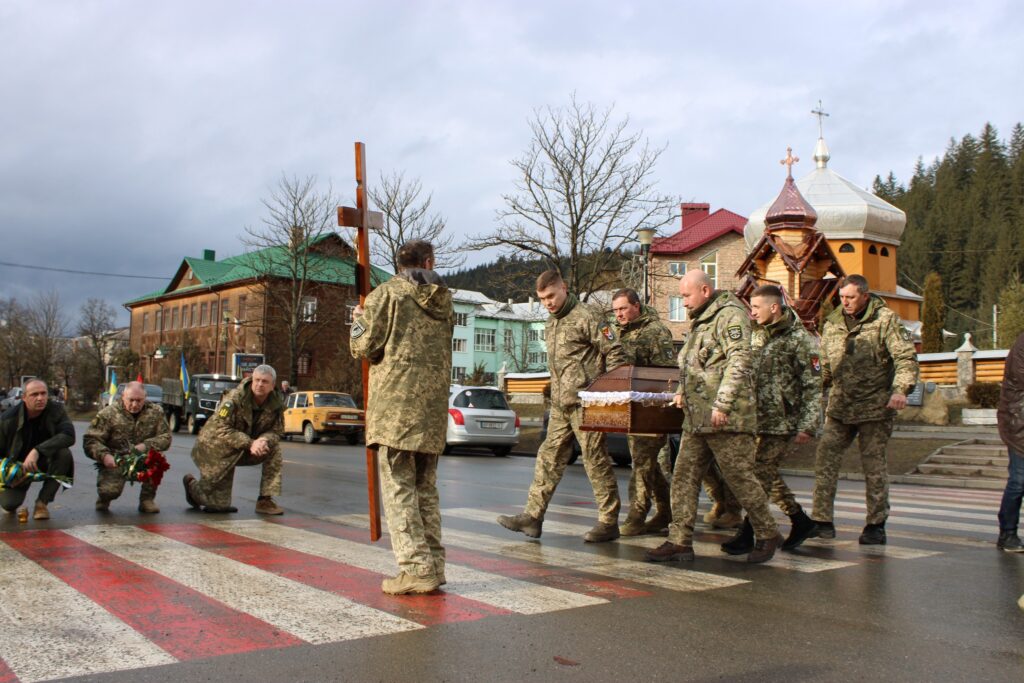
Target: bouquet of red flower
(13, 474)
(146, 468)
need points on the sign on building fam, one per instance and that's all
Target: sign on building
(242, 364)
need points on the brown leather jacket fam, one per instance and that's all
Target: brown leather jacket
(1011, 398)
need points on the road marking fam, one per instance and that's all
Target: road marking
(670, 578)
(50, 630)
(185, 623)
(808, 565)
(893, 551)
(925, 523)
(311, 614)
(505, 593)
(930, 512)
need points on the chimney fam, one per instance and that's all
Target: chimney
(693, 213)
(209, 255)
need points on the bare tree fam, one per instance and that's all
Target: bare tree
(406, 217)
(295, 250)
(14, 342)
(96, 323)
(47, 326)
(585, 186)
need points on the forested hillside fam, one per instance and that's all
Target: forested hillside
(514, 278)
(965, 221)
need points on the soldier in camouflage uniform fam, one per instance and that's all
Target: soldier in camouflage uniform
(405, 330)
(581, 346)
(869, 363)
(646, 341)
(787, 381)
(129, 424)
(717, 396)
(246, 429)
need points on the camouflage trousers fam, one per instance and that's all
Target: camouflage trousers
(718, 492)
(217, 477)
(771, 451)
(835, 439)
(647, 483)
(553, 457)
(110, 484)
(412, 509)
(734, 454)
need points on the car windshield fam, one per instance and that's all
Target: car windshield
(214, 387)
(333, 401)
(153, 392)
(486, 399)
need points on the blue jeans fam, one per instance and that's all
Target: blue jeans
(1009, 509)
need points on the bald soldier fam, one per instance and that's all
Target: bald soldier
(716, 393)
(581, 346)
(129, 424)
(646, 341)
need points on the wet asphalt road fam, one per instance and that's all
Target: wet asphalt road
(947, 613)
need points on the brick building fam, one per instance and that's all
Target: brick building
(211, 310)
(712, 242)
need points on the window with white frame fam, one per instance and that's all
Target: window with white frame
(510, 340)
(536, 335)
(462, 319)
(458, 345)
(483, 340)
(709, 264)
(308, 309)
(458, 374)
(677, 268)
(676, 310)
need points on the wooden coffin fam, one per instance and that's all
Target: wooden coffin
(605, 409)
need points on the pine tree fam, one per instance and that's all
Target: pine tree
(1011, 313)
(933, 316)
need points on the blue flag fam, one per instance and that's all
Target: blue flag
(183, 375)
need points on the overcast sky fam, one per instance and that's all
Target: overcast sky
(137, 133)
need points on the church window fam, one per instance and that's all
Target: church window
(885, 251)
(846, 248)
(872, 249)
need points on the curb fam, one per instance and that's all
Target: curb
(913, 479)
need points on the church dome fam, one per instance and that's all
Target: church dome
(845, 211)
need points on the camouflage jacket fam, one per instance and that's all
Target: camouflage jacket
(646, 340)
(866, 365)
(787, 377)
(405, 331)
(233, 427)
(714, 367)
(581, 346)
(115, 431)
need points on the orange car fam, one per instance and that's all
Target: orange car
(316, 414)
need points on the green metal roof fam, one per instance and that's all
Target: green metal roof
(271, 261)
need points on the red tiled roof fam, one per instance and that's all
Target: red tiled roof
(719, 223)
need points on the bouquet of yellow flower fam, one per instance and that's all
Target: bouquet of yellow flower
(13, 474)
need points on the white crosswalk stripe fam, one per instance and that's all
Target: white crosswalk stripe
(499, 591)
(308, 613)
(50, 630)
(670, 578)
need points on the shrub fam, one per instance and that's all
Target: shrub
(984, 394)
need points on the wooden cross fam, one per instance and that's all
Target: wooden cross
(820, 113)
(364, 220)
(789, 161)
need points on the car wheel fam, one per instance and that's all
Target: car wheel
(352, 438)
(501, 451)
(574, 457)
(193, 425)
(174, 422)
(447, 450)
(622, 460)
(309, 434)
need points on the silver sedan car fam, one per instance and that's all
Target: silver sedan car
(479, 417)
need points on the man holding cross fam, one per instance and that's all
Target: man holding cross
(405, 331)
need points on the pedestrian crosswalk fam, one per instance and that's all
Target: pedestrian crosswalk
(100, 598)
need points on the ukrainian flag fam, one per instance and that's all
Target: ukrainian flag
(183, 375)
(113, 384)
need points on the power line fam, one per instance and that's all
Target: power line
(81, 272)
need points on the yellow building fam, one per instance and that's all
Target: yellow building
(863, 231)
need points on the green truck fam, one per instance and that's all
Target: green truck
(203, 395)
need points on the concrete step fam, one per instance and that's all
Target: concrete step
(962, 471)
(980, 450)
(949, 482)
(943, 458)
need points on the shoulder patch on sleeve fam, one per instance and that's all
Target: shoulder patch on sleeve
(357, 329)
(904, 333)
(225, 408)
(735, 332)
(816, 365)
(606, 330)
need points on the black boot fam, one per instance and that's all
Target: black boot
(873, 534)
(743, 542)
(800, 530)
(1009, 542)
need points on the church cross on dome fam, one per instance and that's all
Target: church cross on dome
(821, 114)
(789, 161)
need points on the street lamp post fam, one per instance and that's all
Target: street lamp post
(646, 236)
(224, 336)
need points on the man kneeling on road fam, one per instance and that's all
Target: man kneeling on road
(37, 433)
(129, 424)
(245, 430)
